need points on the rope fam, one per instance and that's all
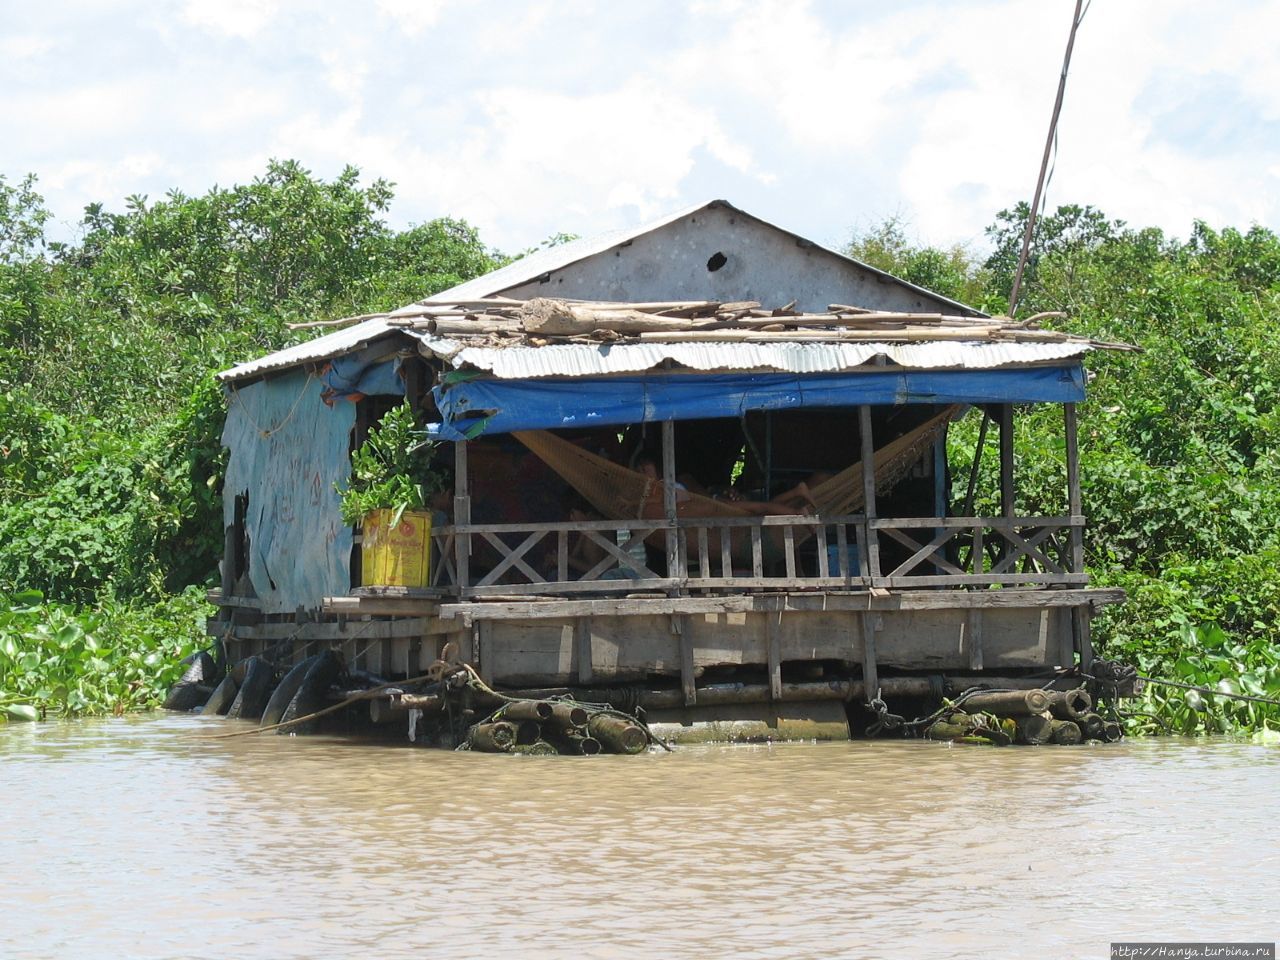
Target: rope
(235, 395)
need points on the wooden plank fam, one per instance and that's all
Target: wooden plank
(704, 560)
(582, 647)
(995, 523)
(1066, 636)
(757, 553)
(726, 553)
(860, 601)
(789, 550)
(381, 606)
(366, 630)
(973, 637)
(824, 568)
(872, 569)
(562, 554)
(773, 627)
(574, 586)
(987, 580)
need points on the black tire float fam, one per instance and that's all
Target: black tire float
(254, 690)
(286, 690)
(222, 697)
(309, 698)
(197, 683)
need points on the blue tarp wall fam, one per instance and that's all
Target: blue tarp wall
(477, 406)
(290, 452)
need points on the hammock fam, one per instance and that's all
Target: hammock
(622, 494)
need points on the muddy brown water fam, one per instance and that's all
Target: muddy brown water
(138, 838)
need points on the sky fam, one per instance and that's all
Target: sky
(532, 118)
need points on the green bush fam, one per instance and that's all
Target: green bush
(57, 660)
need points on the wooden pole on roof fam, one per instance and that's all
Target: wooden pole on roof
(1044, 163)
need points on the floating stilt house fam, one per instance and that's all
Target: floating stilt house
(700, 466)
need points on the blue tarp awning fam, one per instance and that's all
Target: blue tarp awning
(500, 406)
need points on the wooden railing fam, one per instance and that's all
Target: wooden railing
(768, 552)
(981, 551)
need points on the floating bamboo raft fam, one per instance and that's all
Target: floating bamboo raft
(496, 321)
(1024, 716)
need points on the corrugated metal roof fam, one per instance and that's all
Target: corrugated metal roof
(524, 270)
(583, 360)
(321, 348)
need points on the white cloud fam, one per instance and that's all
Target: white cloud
(232, 18)
(25, 46)
(412, 16)
(574, 116)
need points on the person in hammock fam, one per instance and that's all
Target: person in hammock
(788, 503)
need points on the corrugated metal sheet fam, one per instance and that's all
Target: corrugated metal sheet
(519, 272)
(582, 360)
(321, 348)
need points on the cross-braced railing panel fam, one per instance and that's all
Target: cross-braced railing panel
(980, 551)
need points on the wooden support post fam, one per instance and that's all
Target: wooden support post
(869, 493)
(1006, 460)
(973, 637)
(461, 515)
(669, 497)
(228, 582)
(939, 490)
(482, 644)
(1082, 617)
(773, 630)
(870, 672)
(582, 647)
(688, 677)
(1074, 503)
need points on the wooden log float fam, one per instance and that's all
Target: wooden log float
(566, 716)
(537, 710)
(497, 737)
(617, 734)
(1034, 730)
(1070, 704)
(1066, 732)
(1091, 726)
(1010, 703)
